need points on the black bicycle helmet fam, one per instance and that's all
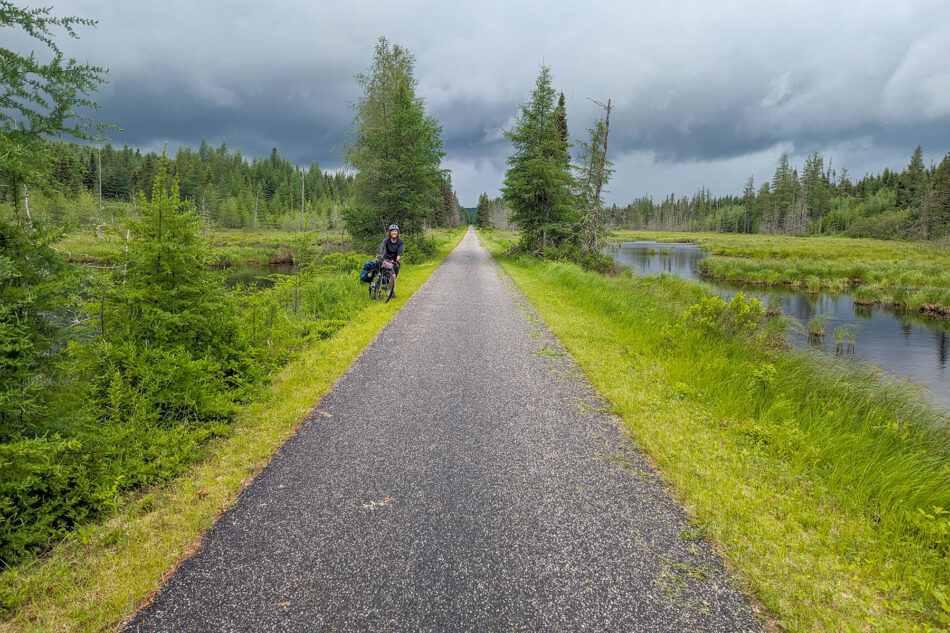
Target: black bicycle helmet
(393, 226)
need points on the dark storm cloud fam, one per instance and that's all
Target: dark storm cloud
(706, 93)
(304, 130)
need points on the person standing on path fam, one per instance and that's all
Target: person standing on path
(391, 250)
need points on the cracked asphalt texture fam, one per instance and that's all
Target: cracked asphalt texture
(461, 476)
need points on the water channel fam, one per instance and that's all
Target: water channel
(904, 344)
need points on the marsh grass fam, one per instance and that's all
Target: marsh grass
(229, 247)
(816, 326)
(99, 574)
(824, 486)
(845, 337)
(905, 275)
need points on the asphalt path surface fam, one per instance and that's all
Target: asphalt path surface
(461, 476)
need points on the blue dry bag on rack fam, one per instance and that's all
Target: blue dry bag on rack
(369, 270)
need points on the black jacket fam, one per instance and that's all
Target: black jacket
(391, 250)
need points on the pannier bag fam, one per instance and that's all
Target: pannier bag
(369, 270)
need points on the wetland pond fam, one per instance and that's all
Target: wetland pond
(903, 344)
(256, 275)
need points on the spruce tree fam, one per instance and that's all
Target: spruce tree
(935, 206)
(168, 344)
(483, 212)
(560, 126)
(748, 202)
(816, 192)
(538, 183)
(913, 182)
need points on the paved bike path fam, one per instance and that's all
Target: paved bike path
(461, 476)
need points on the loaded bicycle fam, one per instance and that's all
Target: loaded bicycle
(381, 287)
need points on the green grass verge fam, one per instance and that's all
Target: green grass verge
(99, 576)
(825, 488)
(906, 275)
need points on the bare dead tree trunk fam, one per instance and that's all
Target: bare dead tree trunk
(595, 219)
(26, 197)
(256, 200)
(26, 206)
(302, 227)
(99, 175)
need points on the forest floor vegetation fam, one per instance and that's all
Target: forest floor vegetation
(825, 487)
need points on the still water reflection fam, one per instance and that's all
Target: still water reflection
(902, 343)
(255, 275)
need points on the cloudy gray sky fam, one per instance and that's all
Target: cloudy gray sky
(707, 93)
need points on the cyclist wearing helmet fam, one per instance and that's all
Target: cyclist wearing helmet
(391, 249)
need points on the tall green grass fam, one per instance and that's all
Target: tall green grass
(826, 487)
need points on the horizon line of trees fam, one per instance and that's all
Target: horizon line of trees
(913, 203)
(910, 204)
(226, 187)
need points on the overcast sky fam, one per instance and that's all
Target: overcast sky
(707, 93)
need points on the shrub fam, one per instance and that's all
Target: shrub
(739, 315)
(888, 225)
(418, 248)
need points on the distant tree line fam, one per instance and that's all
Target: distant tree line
(227, 188)
(911, 204)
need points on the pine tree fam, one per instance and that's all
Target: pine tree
(538, 184)
(396, 149)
